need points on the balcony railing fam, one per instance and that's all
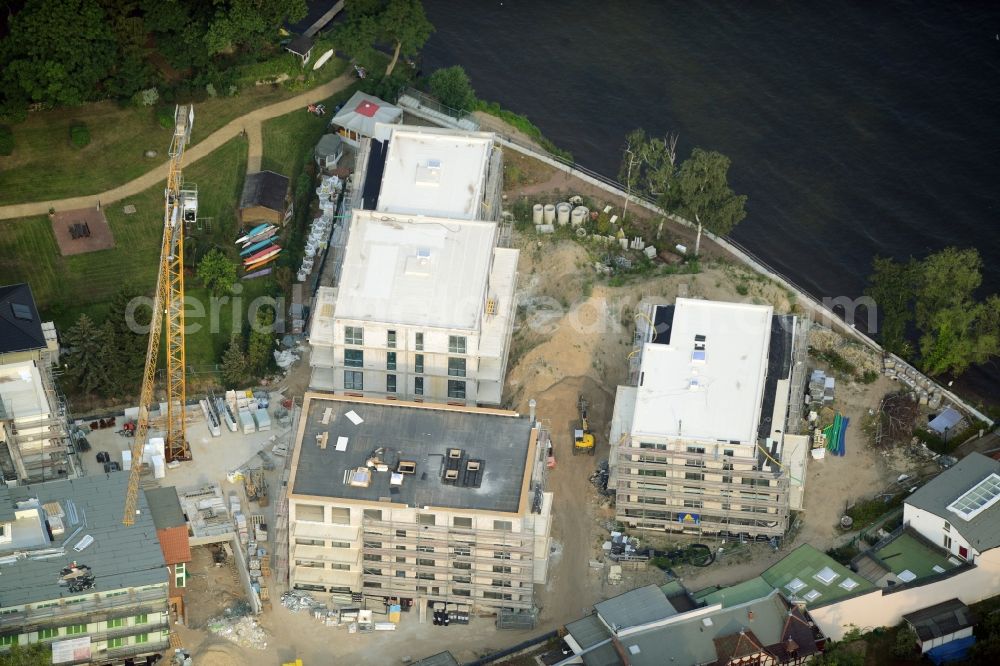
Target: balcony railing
(96, 610)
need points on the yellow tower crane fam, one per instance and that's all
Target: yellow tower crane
(180, 206)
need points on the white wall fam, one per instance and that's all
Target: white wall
(931, 527)
(877, 609)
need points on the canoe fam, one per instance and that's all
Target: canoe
(263, 262)
(250, 234)
(267, 233)
(256, 247)
(257, 274)
(263, 254)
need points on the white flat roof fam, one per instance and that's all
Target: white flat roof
(417, 271)
(718, 398)
(431, 171)
(21, 391)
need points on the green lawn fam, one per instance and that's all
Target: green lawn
(45, 167)
(64, 287)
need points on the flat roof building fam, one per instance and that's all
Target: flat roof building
(700, 436)
(33, 425)
(73, 577)
(417, 502)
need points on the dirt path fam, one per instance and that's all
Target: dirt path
(255, 139)
(250, 122)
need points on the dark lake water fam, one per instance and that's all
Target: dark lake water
(855, 129)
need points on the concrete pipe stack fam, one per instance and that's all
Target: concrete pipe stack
(579, 216)
(562, 213)
(536, 213)
(549, 214)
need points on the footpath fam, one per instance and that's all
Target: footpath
(251, 123)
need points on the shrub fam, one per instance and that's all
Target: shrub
(147, 97)
(6, 140)
(165, 116)
(452, 86)
(79, 135)
(210, 89)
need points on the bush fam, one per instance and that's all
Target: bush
(6, 140)
(79, 135)
(210, 89)
(452, 86)
(165, 117)
(147, 97)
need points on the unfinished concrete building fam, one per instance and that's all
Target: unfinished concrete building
(697, 443)
(423, 307)
(73, 578)
(418, 504)
(33, 423)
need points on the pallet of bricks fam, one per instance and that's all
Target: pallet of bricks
(257, 555)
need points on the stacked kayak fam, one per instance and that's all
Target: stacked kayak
(259, 248)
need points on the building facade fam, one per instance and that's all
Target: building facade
(75, 579)
(34, 431)
(423, 307)
(418, 503)
(697, 443)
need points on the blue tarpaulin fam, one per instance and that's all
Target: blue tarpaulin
(956, 650)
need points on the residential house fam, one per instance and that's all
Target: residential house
(264, 198)
(172, 533)
(357, 118)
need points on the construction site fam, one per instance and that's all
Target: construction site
(475, 472)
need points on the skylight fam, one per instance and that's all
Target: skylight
(848, 583)
(979, 498)
(826, 575)
(906, 575)
(812, 595)
(21, 311)
(795, 585)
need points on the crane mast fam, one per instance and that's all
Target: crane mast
(180, 206)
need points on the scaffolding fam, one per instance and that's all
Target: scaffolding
(37, 450)
(279, 545)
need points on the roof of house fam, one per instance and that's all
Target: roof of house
(119, 557)
(264, 188)
(434, 171)
(694, 637)
(22, 394)
(175, 544)
(362, 112)
(329, 144)
(588, 631)
(734, 595)
(910, 552)
(940, 619)
(300, 45)
(422, 433)
(944, 421)
(165, 507)
(982, 531)
(736, 646)
(422, 272)
(706, 380)
(20, 325)
(635, 607)
(813, 577)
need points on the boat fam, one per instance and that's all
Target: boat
(257, 274)
(263, 254)
(267, 233)
(256, 247)
(262, 262)
(253, 232)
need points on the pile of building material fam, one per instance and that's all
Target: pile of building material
(244, 631)
(206, 511)
(250, 409)
(622, 547)
(821, 388)
(925, 391)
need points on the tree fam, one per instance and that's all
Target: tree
(234, 362)
(451, 85)
(130, 345)
(405, 24)
(217, 272)
(906, 642)
(649, 164)
(249, 22)
(355, 37)
(33, 654)
(261, 344)
(948, 279)
(700, 192)
(891, 286)
(86, 357)
(57, 52)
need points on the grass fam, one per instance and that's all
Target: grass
(65, 287)
(45, 166)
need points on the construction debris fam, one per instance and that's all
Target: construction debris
(244, 631)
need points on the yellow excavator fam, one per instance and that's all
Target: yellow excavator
(583, 439)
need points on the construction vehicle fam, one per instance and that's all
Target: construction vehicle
(180, 208)
(583, 439)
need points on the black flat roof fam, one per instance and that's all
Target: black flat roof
(419, 434)
(20, 325)
(779, 366)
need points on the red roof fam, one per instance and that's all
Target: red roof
(367, 109)
(174, 544)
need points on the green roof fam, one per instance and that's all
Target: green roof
(801, 574)
(734, 595)
(909, 553)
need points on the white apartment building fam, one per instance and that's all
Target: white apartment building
(418, 503)
(423, 308)
(44, 529)
(33, 426)
(697, 444)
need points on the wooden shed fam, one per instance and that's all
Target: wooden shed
(264, 199)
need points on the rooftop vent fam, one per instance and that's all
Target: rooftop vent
(454, 453)
(473, 474)
(451, 475)
(698, 355)
(429, 173)
(406, 467)
(396, 479)
(361, 477)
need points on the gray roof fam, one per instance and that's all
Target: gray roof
(983, 531)
(165, 507)
(419, 434)
(945, 421)
(120, 557)
(329, 144)
(940, 619)
(264, 188)
(639, 606)
(300, 45)
(588, 631)
(689, 642)
(20, 325)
